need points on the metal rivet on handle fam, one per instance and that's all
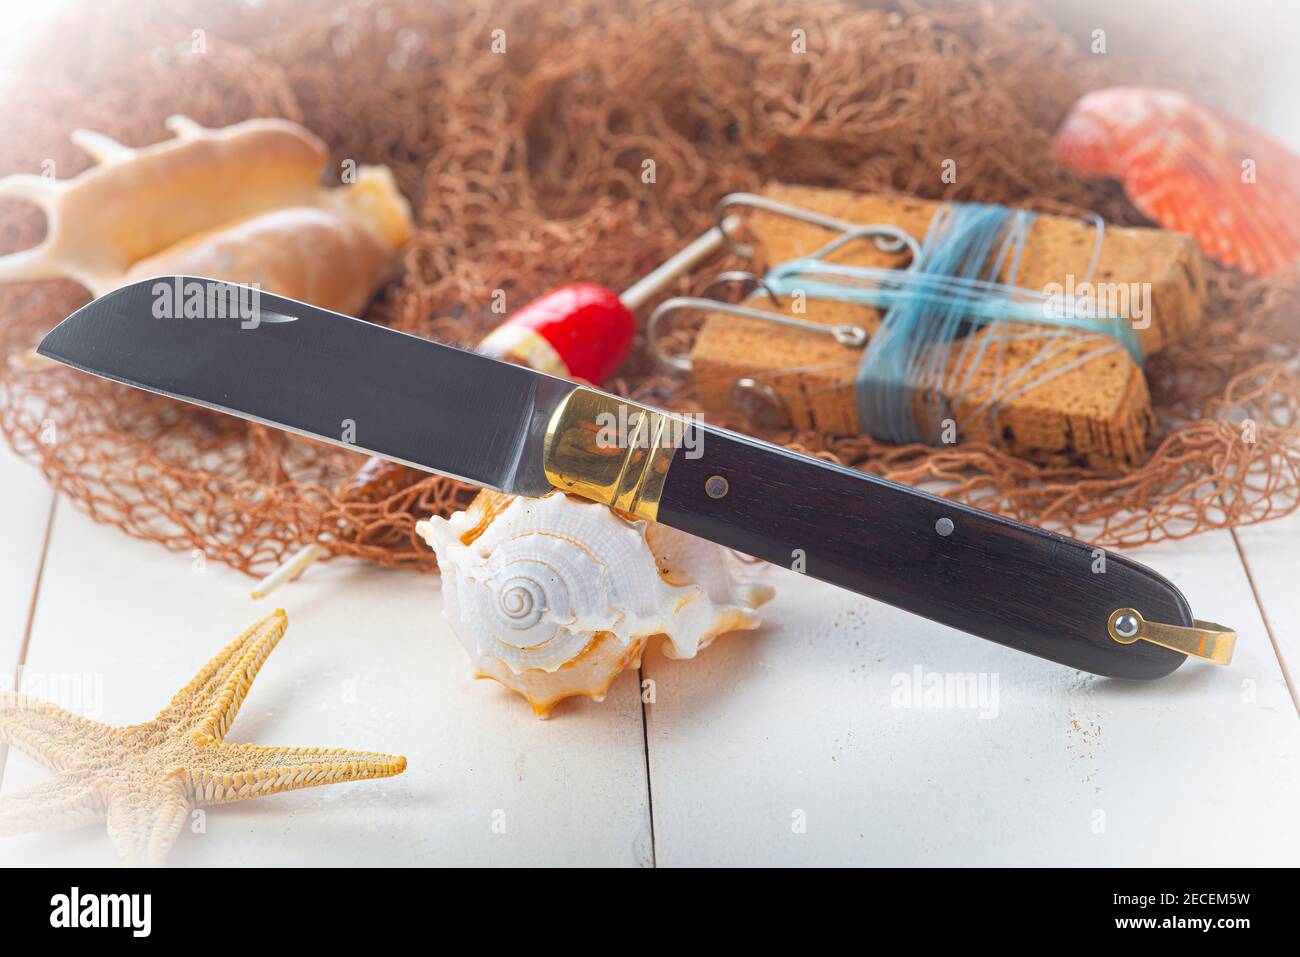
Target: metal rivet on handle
(944, 526)
(715, 486)
(1126, 626)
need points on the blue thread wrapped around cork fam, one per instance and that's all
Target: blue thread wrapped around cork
(1009, 336)
(931, 306)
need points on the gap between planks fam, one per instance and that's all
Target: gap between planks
(1268, 624)
(31, 617)
(645, 754)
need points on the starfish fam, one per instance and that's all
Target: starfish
(145, 780)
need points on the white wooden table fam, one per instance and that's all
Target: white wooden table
(797, 744)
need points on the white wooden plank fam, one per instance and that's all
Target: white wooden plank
(366, 663)
(1272, 553)
(808, 721)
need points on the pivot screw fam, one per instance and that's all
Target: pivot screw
(944, 526)
(715, 486)
(1126, 626)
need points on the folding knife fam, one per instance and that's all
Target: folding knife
(356, 384)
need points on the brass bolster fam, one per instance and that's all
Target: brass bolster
(611, 450)
(1207, 640)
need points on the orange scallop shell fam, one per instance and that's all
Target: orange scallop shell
(1191, 169)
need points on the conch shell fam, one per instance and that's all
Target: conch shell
(555, 597)
(242, 204)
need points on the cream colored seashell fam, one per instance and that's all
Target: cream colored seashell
(241, 204)
(555, 597)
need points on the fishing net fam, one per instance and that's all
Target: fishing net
(524, 171)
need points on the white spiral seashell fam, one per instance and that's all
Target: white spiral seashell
(555, 596)
(522, 601)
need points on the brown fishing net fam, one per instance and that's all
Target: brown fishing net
(524, 171)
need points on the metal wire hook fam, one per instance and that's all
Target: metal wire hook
(847, 334)
(889, 239)
(744, 279)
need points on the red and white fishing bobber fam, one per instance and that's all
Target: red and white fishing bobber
(581, 331)
(584, 331)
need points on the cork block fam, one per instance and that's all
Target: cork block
(1041, 394)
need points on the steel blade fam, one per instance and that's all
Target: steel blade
(321, 374)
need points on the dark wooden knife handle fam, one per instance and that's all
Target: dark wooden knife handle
(1019, 586)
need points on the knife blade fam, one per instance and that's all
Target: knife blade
(314, 372)
(363, 386)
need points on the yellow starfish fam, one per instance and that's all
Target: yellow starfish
(145, 780)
